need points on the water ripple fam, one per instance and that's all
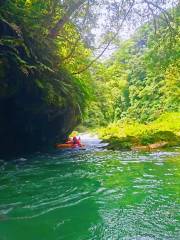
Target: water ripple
(92, 194)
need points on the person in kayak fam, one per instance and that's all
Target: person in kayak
(71, 143)
(76, 141)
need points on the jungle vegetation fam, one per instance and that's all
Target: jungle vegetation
(141, 81)
(53, 76)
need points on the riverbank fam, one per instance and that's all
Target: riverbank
(161, 133)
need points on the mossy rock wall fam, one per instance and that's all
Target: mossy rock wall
(34, 113)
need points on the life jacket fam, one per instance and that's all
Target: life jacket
(76, 141)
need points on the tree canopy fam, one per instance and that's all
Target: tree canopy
(141, 80)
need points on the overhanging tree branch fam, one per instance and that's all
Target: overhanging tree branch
(60, 24)
(111, 40)
(165, 13)
(73, 49)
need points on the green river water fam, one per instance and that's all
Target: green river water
(93, 194)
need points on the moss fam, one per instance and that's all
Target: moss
(163, 139)
(164, 132)
(123, 143)
(166, 136)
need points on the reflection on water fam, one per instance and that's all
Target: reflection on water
(92, 194)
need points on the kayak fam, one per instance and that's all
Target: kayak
(69, 145)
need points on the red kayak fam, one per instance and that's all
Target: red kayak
(69, 145)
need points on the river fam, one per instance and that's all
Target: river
(91, 194)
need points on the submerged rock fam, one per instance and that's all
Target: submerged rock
(150, 146)
(149, 142)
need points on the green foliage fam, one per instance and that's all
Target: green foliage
(124, 135)
(41, 59)
(142, 79)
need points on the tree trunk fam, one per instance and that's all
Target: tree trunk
(60, 24)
